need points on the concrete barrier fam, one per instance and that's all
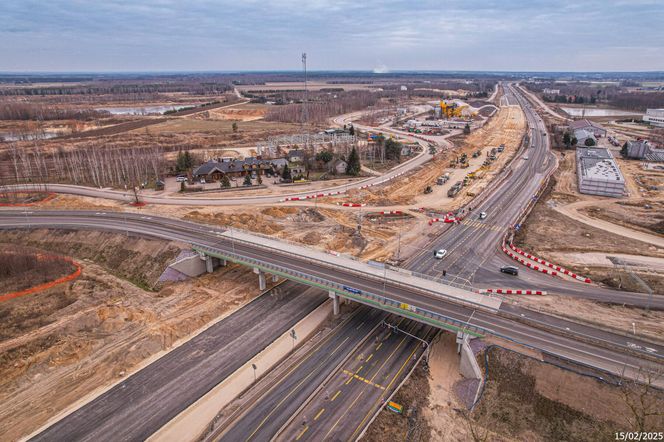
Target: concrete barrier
(192, 423)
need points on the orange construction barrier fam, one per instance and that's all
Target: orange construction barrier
(46, 285)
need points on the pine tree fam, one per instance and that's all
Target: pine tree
(286, 175)
(225, 182)
(354, 166)
(247, 180)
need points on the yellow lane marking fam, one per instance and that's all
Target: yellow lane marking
(319, 413)
(379, 346)
(380, 398)
(302, 433)
(388, 358)
(352, 375)
(350, 378)
(335, 395)
(343, 415)
(276, 407)
(369, 358)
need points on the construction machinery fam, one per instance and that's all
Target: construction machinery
(451, 109)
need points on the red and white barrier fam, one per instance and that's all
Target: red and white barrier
(391, 212)
(351, 204)
(528, 264)
(546, 263)
(511, 292)
(312, 196)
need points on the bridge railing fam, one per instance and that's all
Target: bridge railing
(395, 282)
(363, 296)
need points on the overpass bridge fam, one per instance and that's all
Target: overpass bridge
(391, 289)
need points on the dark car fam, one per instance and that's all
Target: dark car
(510, 269)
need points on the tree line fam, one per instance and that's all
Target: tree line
(40, 112)
(320, 111)
(96, 166)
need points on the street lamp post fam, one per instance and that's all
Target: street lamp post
(424, 342)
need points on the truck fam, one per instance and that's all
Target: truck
(443, 179)
(455, 189)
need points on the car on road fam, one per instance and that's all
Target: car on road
(510, 270)
(526, 157)
(180, 179)
(440, 254)
(482, 215)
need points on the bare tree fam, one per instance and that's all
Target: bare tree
(644, 402)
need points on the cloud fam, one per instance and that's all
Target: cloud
(337, 34)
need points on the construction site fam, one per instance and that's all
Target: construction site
(425, 180)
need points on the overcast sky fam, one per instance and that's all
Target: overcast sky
(176, 35)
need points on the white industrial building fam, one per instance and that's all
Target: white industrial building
(598, 173)
(655, 117)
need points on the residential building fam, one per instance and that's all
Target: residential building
(655, 117)
(214, 169)
(588, 125)
(547, 91)
(338, 166)
(598, 173)
(295, 155)
(582, 135)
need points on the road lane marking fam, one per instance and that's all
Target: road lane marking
(296, 387)
(381, 395)
(319, 413)
(302, 433)
(344, 414)
(335, 395)
(367, 381)
(379, 346)
(369, 358)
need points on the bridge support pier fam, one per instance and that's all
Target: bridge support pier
(209, 264)
(262, 280)
(335, 302)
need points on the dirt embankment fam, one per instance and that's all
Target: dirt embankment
(524, 399)
(529, 400)
(22, 268)
(325, 229)
(548, 233)
(140, 261)
(58, 346)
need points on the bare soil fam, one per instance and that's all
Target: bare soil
(22, 268)
(507, 127)
(526, 399)
(81, 337)
(323, 228)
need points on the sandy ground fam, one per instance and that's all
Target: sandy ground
(506, 127)
(326, 229)
(443, 421)
(82, 336)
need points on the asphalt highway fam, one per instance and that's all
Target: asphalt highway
(544, 333)
(141, 404)
(348, 399)
(472, 253)
(265, 417)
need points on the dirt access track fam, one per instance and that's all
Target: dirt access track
(58, 346)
